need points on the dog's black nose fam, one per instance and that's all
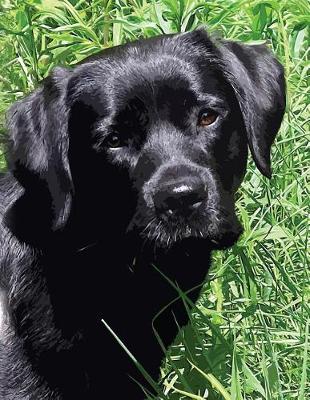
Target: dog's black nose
(181, 198)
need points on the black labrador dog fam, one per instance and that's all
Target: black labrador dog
(122, 176)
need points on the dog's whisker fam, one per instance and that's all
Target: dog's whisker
(149, 224)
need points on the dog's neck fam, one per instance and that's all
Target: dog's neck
(61, 293)
(71, 283)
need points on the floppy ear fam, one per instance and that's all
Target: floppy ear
(258, 81)
(37, 157)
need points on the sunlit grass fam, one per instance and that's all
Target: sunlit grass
(248, 337)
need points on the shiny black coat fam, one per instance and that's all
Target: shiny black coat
(113, 169)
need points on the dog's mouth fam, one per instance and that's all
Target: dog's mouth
(215, 230)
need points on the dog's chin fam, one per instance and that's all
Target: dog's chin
(211, 236)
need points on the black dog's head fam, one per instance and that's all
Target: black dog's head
(149, 137)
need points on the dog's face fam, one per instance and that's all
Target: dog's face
(176, 128)
(152, 135)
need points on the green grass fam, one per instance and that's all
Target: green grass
(249, 333)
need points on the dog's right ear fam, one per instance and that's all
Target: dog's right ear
(37, 157)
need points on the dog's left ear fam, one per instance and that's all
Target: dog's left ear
(38, 159)
(258, 81)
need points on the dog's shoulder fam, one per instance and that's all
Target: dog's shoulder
(10, 190)
(11, 251)
(10, 248)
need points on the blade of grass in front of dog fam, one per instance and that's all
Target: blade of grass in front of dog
(135, 361)
(187, 394)
(148, 395)
(157, 335)
(214, 382)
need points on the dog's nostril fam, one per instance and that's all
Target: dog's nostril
(179, 199)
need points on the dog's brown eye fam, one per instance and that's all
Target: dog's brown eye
(207, 118)
(114, 141)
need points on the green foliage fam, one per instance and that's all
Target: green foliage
(249, 333)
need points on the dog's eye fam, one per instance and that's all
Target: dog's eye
(207, 118)
(114, 141)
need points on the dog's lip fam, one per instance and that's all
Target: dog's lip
(191, 241)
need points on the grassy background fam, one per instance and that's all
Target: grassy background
(249, 336)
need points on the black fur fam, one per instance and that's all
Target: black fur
(76, 212)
